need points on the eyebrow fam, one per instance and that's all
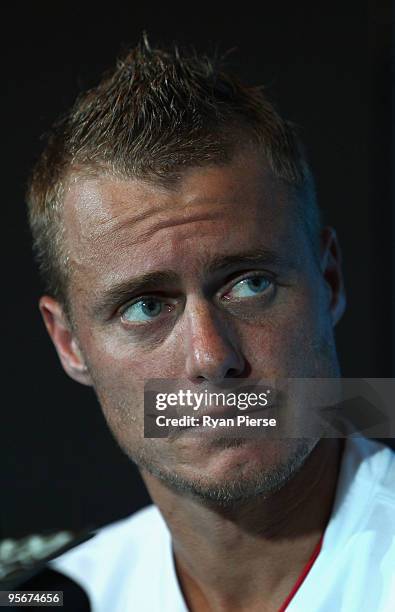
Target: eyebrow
(259, 255)
(125, 290)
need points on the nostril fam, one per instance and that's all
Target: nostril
(239, 373)
(233, 373)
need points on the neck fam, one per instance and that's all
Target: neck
(255, 550)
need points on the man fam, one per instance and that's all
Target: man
(175, 223)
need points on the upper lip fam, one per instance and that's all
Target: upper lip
(222, 410)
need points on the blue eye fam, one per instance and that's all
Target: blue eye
(144, 310)
(249, 287)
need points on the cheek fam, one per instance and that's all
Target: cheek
(119, 371)
(294, 340)
(118, 360)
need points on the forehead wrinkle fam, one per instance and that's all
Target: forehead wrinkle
(167, 224)
(106, 225)
(101, 207)
(104, 216)
(109, 211)
(115, 233)
(97, 207)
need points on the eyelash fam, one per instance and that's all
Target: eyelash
(235, 280)
(142, 298)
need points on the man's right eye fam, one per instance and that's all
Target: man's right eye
(145, 310)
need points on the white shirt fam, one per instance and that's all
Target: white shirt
(128, 566)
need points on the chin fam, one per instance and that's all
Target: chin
(226, 471)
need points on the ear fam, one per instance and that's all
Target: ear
(331, 268)
(64, 340)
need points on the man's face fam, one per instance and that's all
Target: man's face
(210, 279)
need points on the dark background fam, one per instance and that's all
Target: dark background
(328, 68)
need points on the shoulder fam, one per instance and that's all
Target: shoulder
(371, 463)
(355, 568)
(130, 546)
(362, 526)
(109, 541)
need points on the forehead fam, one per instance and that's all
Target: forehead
(115, 226)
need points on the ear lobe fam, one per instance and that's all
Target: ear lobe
(64, 340)
(331, 268)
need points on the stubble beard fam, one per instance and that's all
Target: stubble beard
(230, 491)
(224, 493)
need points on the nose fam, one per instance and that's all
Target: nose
(212, 351)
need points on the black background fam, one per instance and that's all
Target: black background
(328, 68)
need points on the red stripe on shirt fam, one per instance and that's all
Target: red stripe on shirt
(302, 576)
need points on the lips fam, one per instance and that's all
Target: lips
(179, 401)
(223, 411)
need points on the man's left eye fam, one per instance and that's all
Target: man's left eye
(249, 287)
